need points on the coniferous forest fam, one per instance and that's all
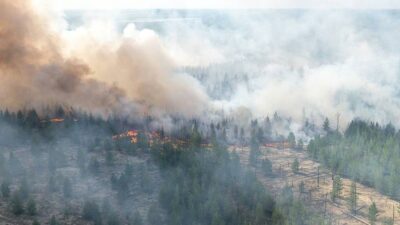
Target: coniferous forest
(196, 112)
(366, 152)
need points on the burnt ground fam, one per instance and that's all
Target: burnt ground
(318, 196)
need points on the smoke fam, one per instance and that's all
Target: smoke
(128, 73)
(301, 64)
(304, 63)
(137, 62)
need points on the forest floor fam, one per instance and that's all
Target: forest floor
(318, 196)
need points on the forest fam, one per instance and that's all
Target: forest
(78, 172)
(366, 152)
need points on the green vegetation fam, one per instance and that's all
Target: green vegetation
(295, 166)
(337, 187)
(353, 198)
(367, 152)
(210, 187)
(196, 178)
(372, 213)
(31, 207)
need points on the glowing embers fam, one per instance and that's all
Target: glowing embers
(56, 120)
(132, 134)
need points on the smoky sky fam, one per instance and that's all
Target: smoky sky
(300, 63)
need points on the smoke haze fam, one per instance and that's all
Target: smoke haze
(322, 63)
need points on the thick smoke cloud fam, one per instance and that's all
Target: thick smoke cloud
(34, 72)
(128, 74)
(301, 64)
(137, 62)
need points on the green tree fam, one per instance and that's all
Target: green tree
(53, 221)
(31, 207)
(242, 135)
(113, 219)
(91, 212)
(302, 187)
(353, 198)
(300, 144)
(337, 187)
(372, 213)
(326, 125)
(254, 150)
(292, 140)
(35, 222)
(16, 204)
(5, 189)
(236, 132)
(266, 166)
(295, 166)
(260, 216)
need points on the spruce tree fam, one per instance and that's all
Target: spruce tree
(31, 207)
(353, 198)
(295, 166)
(5, 189)
(16, 204)
(337, 187)
(372, 213)
(53, 221)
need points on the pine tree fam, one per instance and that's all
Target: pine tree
(326, 125)
(300, 144)
(353, 198)
(5, 189)
(302, 187)
(236, 132)
(337, 187)
(17, 205)
(31, 207)
(91, 212)
(254, 150)
(53, 221)
(292, 140)
(113, 219)
(295, 166)
(372, 213)
(266, 166)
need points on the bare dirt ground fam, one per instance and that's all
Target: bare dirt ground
(318, 196)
